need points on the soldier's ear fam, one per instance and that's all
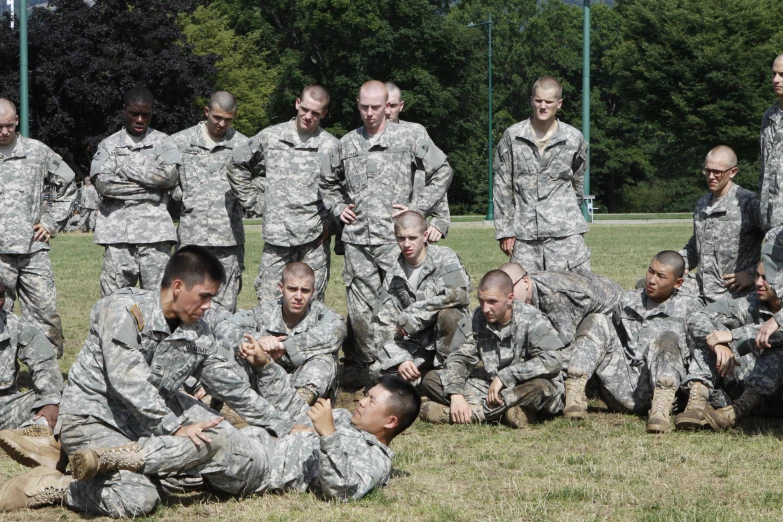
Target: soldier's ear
(678, 283)
(391, 423)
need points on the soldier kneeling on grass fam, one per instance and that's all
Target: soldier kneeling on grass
(425, 295)
(520, 351)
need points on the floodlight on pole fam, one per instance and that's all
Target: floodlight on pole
(490, 199)
(24, 108)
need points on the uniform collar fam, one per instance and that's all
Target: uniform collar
(291, 136)
(197, 138)
(526, 133)
(277, 324)
(19, 150)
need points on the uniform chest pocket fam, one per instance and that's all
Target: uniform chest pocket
(355, 166)
(171, 365)
(490, 352)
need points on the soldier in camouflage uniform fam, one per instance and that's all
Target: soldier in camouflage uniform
(90, 203)
(301, 334)
(371, 178)
(26, 226)
(123, 391)
(539, 187)
(726, 241)
(504, 363)
(134, 170)
(425, 295)
(211, 214)
(296, 224)
(440, 218)
(731, 358)
(640, 362)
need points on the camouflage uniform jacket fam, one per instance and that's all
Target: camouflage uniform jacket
(539, 196)
(440, 217)
(135, 180)
(291, 205)
(321, 331)
(443, 283)
(526, 348)
(90, 199)
(726, 239)
(30, 166)
(211, 214)
(771, 172)
(132, 362)
(375, 177)
(27, 343)
(343, 466)
(640, 326)
(743, 317)
(567, 298)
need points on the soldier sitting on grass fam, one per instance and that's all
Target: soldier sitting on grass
(425, 296)
(520, 372)
(301, 334)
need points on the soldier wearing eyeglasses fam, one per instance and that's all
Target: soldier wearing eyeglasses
(726, 241)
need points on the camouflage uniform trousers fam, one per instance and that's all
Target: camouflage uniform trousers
(553, 253)
(318, 375)
(536, 394)
(364, 272)
(772, 257)
(233, 260)
(16, 411)
(315, 254)
(88, 220)
(230, 463)
(30, 278)
(702, 368)
(625, 384)
(427, 356)
(767, 376)
(124, 264)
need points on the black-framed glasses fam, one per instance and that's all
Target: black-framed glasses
(717, 174)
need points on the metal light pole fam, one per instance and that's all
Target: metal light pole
(586, 100)
(490, 200)
(24, 107)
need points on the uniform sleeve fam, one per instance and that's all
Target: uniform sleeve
(40, 356)
(565, 316)
(350, 467)
(275, 385)
(331, 186)
(698, 325)
(543, 354)
(247, 163)
(578, 166)
(325, 337)
(463, 357)
(689, 252)
(503, 190)
(452, 293)
(109, 184)
(437, 175)
(61, 178)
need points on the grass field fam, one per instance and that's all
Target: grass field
(607, 468)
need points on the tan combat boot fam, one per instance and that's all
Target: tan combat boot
(663, 397)
(34, 446)
(435, 413)
(233, 417)
(307, 396)
(727, 417)
(38, 487)
(520, 417)
(692, 418)
(87, 463)
(575, 396)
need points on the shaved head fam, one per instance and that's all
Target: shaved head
(392, 88)
(673, 260)
(778, 59)
(297, 270)
(374, 88)
(548, 83)
(496, 280)
(514, 270)
(410, 219)
(7, 107)
(723, 154)
(316, 93)
(223, 100)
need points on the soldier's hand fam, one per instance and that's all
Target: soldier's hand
(725, 360)
(40, 233)
(493, 397)
(401, 331)
(719, 337)
(348, 216)
(200, 393)
(252, 351)
(507, 245)
(399, 209)
(460, 410)
(321, 415)
(50, 413)
(408, 371)
(765, 332)
(272, 343)
(737, 281)
(433, 234)
(195, 432)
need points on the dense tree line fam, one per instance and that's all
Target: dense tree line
(670, 78)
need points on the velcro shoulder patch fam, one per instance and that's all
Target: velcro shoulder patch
(136, 313)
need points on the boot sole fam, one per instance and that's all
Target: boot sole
(84, 464)
(575, 415)
(658, 428)
(25, 458)
(690, 423)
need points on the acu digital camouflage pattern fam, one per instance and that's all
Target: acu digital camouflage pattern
(132, 364)
(554, 253)
(539, 196)
(90, 199)
(316, 254)
(726, 239)
(211, 214)
(134, 180)
(25, 342)
(770, 181)
(311, 346)
(527, 348)
(443, 285)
